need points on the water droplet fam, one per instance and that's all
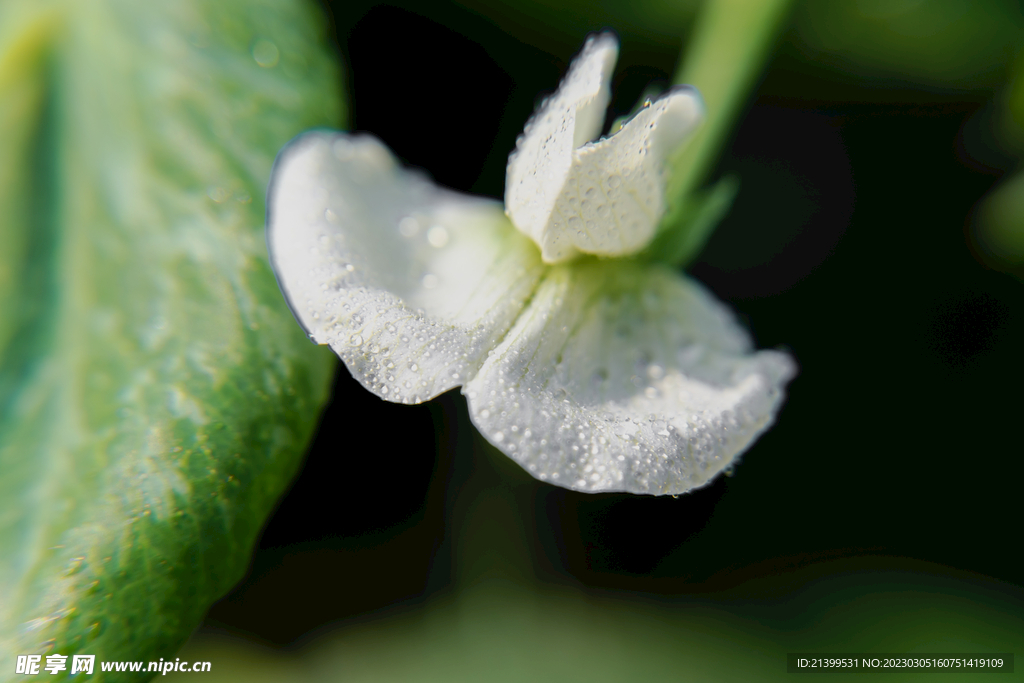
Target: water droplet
(356, 340)
(408, 226)
(614, 181)
(437, 236)
(217, 194)
(499, 437)
(265, 53)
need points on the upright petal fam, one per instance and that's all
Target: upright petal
(573, 196)
(624, 378)
(571, 117)
(409, 283)
(614, 196)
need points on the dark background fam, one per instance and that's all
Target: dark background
(846, 245)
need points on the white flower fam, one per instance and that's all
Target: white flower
(597, 374)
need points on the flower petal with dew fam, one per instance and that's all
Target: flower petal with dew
(571, 195)
(594, 374)
(410, 284)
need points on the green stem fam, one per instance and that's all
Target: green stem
(730, 41)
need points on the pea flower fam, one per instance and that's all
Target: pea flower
(593, 370)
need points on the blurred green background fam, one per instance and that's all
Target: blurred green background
(877, 234)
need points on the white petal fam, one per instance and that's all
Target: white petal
(409, 283)
(622, 377)
(605, 198)
(614, 197)
(571, 117)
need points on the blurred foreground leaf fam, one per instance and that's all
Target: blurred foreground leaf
(155, 393)
(502, 632)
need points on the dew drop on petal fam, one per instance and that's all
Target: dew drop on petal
(408, 226)
(437, 236)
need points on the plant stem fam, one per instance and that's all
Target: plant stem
(730, 41)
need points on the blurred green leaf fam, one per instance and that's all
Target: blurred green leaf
(998, 231)
(504, 632)
(946, 45)
(156, 395)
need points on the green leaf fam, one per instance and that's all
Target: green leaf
(156, 394)
(998, 230)
(946, 46)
